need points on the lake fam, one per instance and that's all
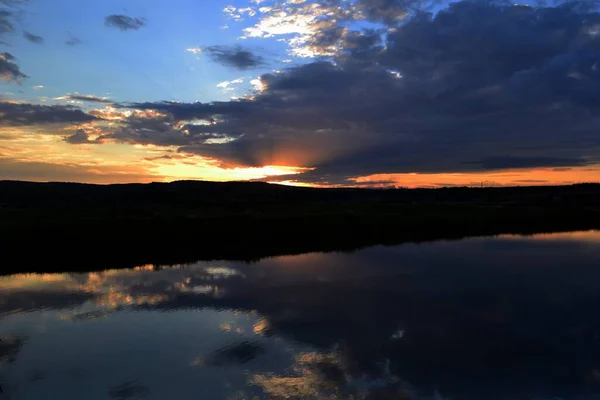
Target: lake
(509, 317)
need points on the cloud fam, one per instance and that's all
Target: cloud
(73, 41)
(22, 114)
(124, 22)
(33, 38)
(229, 86)
(148, 127)
(9, 12)
(310, 27)
(9, 70)
(390, 12)
(477, 86)
(508, 162)
(84, 97)
(315, 28)
(234, 56)
(80, 137)
(237, 14)
(12, 3)
(6, 25)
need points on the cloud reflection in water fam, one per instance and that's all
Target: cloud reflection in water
(456, 320)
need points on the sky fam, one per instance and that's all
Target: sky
(369, 93)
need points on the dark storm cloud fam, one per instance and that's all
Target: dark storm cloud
(124, 22)
(9, 70)
(362, 41)
(33, 38)
(234, 56)
(21, 114)
(477, 86)
(387, 11)
(143, 129)
(187, 111)
(526, 162)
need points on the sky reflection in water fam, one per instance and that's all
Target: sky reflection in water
(495, 318)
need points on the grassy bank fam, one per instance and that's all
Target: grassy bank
(60, 227)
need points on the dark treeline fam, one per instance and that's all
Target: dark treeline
(193, 194)
(63, 226)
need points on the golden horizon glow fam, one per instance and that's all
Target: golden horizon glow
(508, 177)
(43, 155)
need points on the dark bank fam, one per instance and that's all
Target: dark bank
(53, 226)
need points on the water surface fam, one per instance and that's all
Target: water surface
(485, 318)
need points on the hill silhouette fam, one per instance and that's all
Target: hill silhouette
(196, 193)
(70, 226)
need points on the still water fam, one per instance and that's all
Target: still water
(486, 318)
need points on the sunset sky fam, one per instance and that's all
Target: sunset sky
(326, 93)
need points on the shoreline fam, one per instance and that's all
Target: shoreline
(79, 228)
(86, 251)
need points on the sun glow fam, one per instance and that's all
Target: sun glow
(294, 183)
(188, 171)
